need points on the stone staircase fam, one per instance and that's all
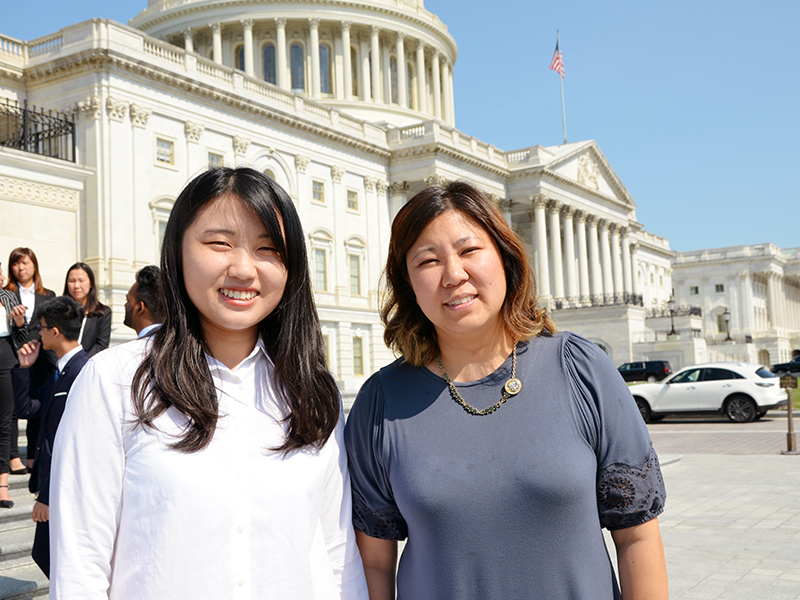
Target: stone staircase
(20, 577)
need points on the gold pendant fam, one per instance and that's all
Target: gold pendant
(513, 386)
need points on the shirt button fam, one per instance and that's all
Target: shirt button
(241, 582)
(240, 529)
(238, 475)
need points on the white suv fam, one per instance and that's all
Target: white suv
(741, 391)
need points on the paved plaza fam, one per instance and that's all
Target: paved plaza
(731, 528)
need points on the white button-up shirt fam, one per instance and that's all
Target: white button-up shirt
(133, 519)
(27, 297)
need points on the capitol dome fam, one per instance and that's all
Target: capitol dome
(384, 61)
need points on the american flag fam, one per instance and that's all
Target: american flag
(557, 64)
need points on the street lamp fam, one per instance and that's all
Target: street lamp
(727, 316)
(671, 306)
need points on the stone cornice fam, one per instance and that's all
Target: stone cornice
(436, 149)
(38, 193)
(102, 59)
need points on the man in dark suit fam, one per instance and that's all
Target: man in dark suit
(144, 311)
(59, 327)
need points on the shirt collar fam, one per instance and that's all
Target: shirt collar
(148, 330)
(259, 350)
(30, 291)
(62, 362)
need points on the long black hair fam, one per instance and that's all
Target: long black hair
(175, 371)
(93, 304)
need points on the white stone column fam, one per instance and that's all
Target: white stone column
(347, 59)
(635, 270)
(247, 34)
(282, 78)
(437, 85)
(376, 63)
(399, 196)
(452, 96)
(447, 100)
(422, 92)
(188, 40)
(542, 268)
(313, 25)
(605, 260)
(402, 77)
(771, 301)
(216, 42)
(627, 284)
(616, 263)
(583, 259)
(554, 212)
(595, 270)
(571, 287)
(387, 72)
(365, 91)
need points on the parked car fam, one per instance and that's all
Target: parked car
(793, 366)
(742, 392)
(651, 370)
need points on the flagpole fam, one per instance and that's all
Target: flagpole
(561, 81)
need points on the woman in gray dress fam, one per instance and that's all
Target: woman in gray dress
(496, 446)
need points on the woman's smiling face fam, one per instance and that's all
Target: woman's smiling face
(457, 275)
(232, 270)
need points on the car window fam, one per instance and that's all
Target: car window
(713, 374)
(765, 373)
(689, 376)
(625, 367)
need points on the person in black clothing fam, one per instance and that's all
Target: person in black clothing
(59, 325)
(26, 284)
(96, 328)
(13, 332)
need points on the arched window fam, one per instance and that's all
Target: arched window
(325, 83)
(298, 67)
(412, 96)
(393, 71)
(269, 63)
(270, 173)
(240, 57)
(354, 71)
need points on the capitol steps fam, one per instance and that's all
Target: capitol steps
(20, 577)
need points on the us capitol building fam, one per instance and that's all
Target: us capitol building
(349, 105)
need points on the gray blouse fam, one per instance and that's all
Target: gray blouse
(508, 505)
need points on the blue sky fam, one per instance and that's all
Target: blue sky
(696, 105)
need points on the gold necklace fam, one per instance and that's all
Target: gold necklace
(512, 387)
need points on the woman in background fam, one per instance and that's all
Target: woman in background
(96, 328)
(206, 460)
(497, 446)
(25, 282)
(13, 333)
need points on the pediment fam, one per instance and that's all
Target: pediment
(584, 164)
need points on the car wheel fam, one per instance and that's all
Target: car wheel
(740, 409)
(651, 379)
(644, 409)
(656, 418)
(760, 414)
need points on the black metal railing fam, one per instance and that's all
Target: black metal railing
(678, 311)
(625, 299)
(31, 130)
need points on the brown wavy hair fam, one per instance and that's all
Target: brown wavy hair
(17, 254)
(407, 330)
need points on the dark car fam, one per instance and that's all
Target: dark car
(649, 370)
(793, 366)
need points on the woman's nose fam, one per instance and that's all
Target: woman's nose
(454, 272)
(242, 266)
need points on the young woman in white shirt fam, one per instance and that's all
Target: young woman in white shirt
(206, 461)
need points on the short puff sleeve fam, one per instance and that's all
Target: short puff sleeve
(375, 512)
(630, 488)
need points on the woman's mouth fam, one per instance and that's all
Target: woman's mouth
(239, 294)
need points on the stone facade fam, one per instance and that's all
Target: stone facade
(190, 86)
